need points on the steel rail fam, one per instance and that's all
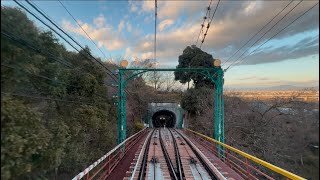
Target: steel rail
(178, 158)
(204, 164)
(145, 158)
(167, 158)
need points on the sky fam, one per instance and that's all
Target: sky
(125, 30)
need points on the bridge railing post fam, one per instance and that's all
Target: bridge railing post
(109, 164)
(88, 176)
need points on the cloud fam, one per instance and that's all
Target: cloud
(254, 78)
(148, 6)
(148, 19)
(247, 78)
(121, 25)
(252, 7)
(101, 32)
(99, 21)
(169, 9)
(165, 23)
(263, 79)
(133, 7)
(305, 47)
(147, 55)
(272, 82)
(129, 27)
(234, 23)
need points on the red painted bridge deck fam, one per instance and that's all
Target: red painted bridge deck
(126, 166)
(225, 170)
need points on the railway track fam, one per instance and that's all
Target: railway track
(174, 172)
(199, 166)
(145, 158)
(168, 154)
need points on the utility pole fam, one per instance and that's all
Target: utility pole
(155, 31)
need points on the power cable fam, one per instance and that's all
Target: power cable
(208, 26)
(258, 32)
(263, 35)
(47, 98)
(45, 77)
(38, 50)
(46, 17)
(29, 45)
(26, 9)
(82, 28)
(57, 26)
(279, 32)
(155, 31)
(41, 51)
(204, 19)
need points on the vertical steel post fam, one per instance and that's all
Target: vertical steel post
(119, 109)
(181, 118)
(122, 122)
(148, 118)
(219, 111)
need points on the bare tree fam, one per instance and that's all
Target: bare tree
(155, 79)
(169, 81)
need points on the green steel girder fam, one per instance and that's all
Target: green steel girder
(214, 74)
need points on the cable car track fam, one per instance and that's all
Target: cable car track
(167, 165)
(172, 171)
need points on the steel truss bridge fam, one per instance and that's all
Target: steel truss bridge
(173, 152)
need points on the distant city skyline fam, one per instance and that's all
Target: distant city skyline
(125, 30)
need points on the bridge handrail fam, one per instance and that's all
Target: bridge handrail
(88, 169)
(257, 160)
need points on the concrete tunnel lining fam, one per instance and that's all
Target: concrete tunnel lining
(164, 117)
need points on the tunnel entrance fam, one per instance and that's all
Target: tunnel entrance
(164, 118)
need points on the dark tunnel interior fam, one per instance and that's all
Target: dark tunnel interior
(164, 117)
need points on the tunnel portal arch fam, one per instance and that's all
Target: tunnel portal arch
(169, 113)
(164, 118)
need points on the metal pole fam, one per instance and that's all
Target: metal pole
(122, 122)
(222, 108)
(155, 31)
(119, 107)
(181, 117)
(219, 111)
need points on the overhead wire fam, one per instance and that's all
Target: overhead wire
(279, 32)
(155, 31)
(45, 77)
(36, 75)
(58, 27)
(208, 25)
(82, 28)
(263, 35)
(29, 45)
(112, 75)
(38, 50)
(257, 33)
(26, 9)
(47, 98)
(204, 19)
